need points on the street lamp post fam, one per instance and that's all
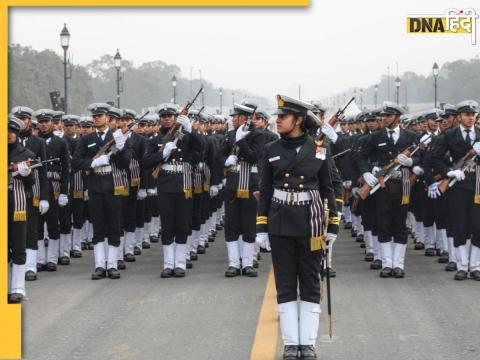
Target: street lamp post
(376, 95)
(397, 86)
(233, 97)
(203, 94)
(361, 99)
(174, 85)
(221, 101)
(65, 42)
(117, 60)
(435, 76)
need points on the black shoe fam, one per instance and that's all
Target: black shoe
(359, 238)
(121, 265)
(475, 275)
(249, 271)
(137, 251)
(76, 254)
(15, 298)
(30, 276)
(259, 257)
(443, 259)
(90, 246)
(369, 257)
(376, 264)
(189, 264)
(232, 272)
(290, 352)
(386, 272)
(430, 252)
(145, 245)
(307, 352)
(354, 233)
(207, 245)
(460, 275)
(219, 227)
(166, 273)
(154, 239)
(178, 272)
(129, 258)
(438, 252)
(419, 246)
(332, 272)
(64, 260)
(113, 273)
(362, 245)
(83, 246)
(211, 238)
(398, 273)
(255, 263)
(193, 256)
(99, 273)
(51, 266)
(348, 226)
(41, 267)
(201, 249)
(263, 250)
(451, 266)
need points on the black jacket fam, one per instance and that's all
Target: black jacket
(58, 148)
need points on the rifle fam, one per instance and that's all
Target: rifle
(461, 164)
(174, 132)
(247, 125)
(32, 163)
(385, 173)
(335, 117)
(341, 153)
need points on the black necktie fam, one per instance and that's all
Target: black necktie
(467, 137)
(390, 137)
(100, 134)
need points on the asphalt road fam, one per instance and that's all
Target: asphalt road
(425, 316)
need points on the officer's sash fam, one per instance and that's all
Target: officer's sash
(19, 201)
(36, 188)
(476, 200)
(120, 181)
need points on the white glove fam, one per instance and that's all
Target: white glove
(43, 207)
(240, 134)
(329, 132)
(85, 195)
(62, 200)
(404, 160)
(185, 122)
(220, 186)
(331, 238)
(224, 182)
(24, 169)
(262, 240)
(152, 192)
(102, 160)
(457, 174)
(120, 139)
(231, 161)
(355, 192)
(375, 170)
(424, 140)
(476, 147)
(169, 147)
(347, 184)
(433, 191)
(142, 194)
(370, 179)
(418, 170)
(213, 190)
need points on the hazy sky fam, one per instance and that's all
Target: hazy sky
(327, 47)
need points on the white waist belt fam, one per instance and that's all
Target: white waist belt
(236, 168)
(103, 170)
(177, 168)
(290, 196)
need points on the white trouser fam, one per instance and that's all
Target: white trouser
(442, 240)
(41, 255)
(139, 237)
(17, 279)
(65, 244)
(146, 231)
(195, 240)
(368, 241)
(347, 214)
(429, 237)
(377, 253)
(419, 232)
(247, 254)
(240, 245)
(180, 259)
(53, 249)
(289, 322)
(169, 256)
(233, 254)
(387, 254)
(121, 249)
(399, 255)
(77, 239)
(129, 242)
(31, 263)
(330, 251)
(474, 258)
(112, 257)
(462, 257)
(203, 235)
(309, 319)
(99, 254)
(451, 251)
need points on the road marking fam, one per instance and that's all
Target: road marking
(266, 335)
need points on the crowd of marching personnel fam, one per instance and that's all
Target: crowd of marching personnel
(116, 181)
